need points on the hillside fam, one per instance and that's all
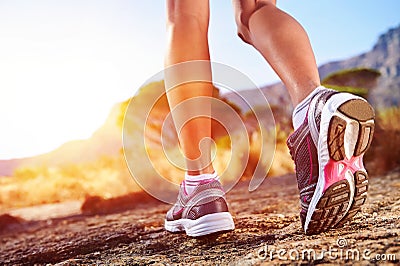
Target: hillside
(384, 57)
(104, 141)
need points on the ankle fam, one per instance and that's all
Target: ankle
(301, 109)
(207, 170)
(192, 181)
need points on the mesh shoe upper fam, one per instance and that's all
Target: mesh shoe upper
(207, 198)
(303, 149)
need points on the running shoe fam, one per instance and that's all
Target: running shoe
(328, 151)
(202, 212)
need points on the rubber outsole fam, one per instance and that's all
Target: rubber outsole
(361, 181)
(331, 208)
(349, 135)
(205, 225)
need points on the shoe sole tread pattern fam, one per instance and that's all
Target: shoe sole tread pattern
(333, 210)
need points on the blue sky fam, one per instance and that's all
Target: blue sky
(63, 64)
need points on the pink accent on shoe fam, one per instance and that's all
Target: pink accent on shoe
(336, 170)
(178, 212)
(184, 187)
(206, 181)
(311, 162)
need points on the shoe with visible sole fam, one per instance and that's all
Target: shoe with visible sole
(202, 212)
(328, 150)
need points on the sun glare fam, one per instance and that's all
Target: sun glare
(48, 101)
(59, 80)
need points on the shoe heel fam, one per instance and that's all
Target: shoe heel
(350, 135)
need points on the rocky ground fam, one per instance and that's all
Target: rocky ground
(267, 231)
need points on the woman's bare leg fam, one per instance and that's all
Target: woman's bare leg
(187, 29)
(283, 43)
(206, 211)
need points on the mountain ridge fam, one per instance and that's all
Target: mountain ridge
(384, 57)
(106, 140)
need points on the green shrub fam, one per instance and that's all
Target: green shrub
(354, 90)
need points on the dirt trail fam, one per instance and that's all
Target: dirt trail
(266, 222)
